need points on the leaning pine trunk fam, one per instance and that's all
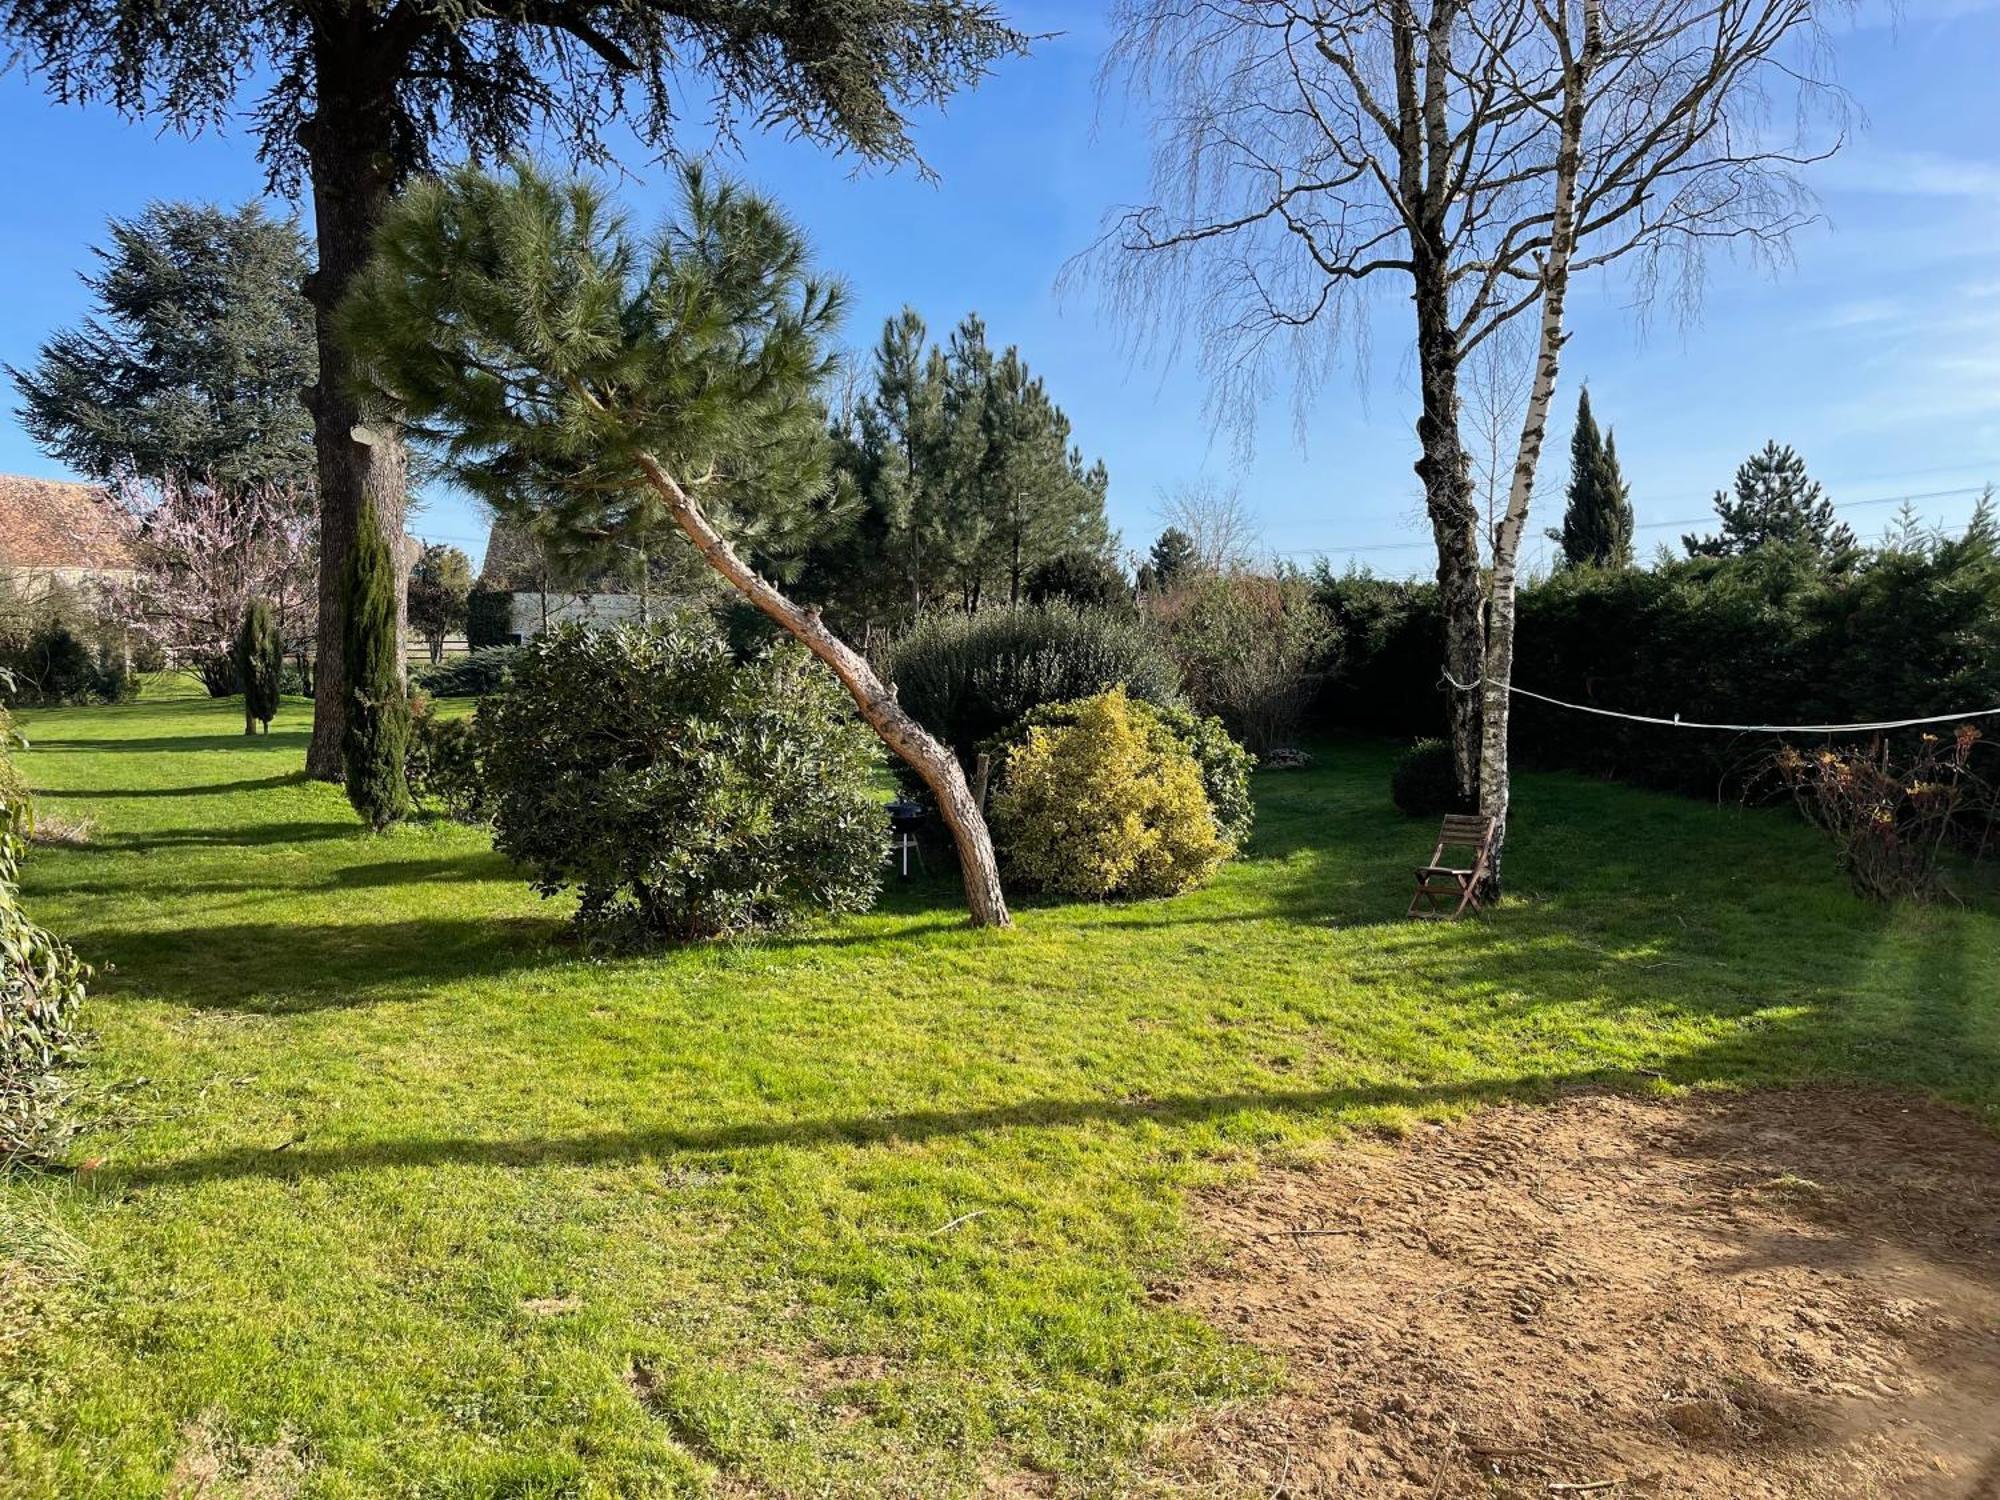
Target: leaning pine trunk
(938, 767)
(1497, 676)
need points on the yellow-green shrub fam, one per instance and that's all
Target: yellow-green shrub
(1099, 807)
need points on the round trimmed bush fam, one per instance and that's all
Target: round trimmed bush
(1424, 783)
(1106, 806)
(967, 678)
(680, 793)
(1224, 765)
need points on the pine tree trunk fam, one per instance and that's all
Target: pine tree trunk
(934, 762)
(1446, 473)
(351, 152)
(1497, 675)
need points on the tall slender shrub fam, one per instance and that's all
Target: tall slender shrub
(260, 664)
(378, 719)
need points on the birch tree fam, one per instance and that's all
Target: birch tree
(1475, 155)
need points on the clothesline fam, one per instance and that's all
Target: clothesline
(1677, 722)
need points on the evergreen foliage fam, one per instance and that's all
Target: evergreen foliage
(964, 477)
(41, 991)
(1907, 629)
(378, 718)
(1224, 765)
(679, 792)
(1105, 806)
(967, 678)
(498, 309)
(1252, 649)
(1172, 559)
(1775, 503)
(1080, 577)
(1597, 523)
(1424, 781)
(193, 358)
(260, 664)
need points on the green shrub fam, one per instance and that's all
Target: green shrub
(967, 678)
(1080, 577)
(1106, 806)
(260, 664)
(1424, 783)
(678, 792)
(1252, 650)
(1224, 765)
(489, 618)
(41, 991)
(378, 709)
(470, 676)
(52, 666)
(443, 765)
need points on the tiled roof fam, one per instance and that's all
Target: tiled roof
(47, 523)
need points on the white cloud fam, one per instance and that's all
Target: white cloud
(1918, 174)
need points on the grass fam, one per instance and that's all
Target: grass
(389, 1189)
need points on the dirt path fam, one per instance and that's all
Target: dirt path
(1789, 1295)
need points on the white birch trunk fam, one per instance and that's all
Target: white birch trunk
(1497, 675)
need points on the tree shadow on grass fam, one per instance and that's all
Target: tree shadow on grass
(277, 739)
(228, 837)
(212, 789)
(910, 1126)
(279, 968)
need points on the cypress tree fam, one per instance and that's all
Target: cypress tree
(1597, 525)
(378, 710)
(260, 659)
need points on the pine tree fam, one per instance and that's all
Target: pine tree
(1597, 525)
(356, 98)
(378, 713)
(1171, 560)
(1776, 503)
(560, 363)
(260, 664)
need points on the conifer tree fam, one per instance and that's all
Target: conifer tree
(378, 711)
(1597, 525)
(562, 365)
(1776, 502)
(1171, 560)
(354, 97)
(191, 362)
(260, 663)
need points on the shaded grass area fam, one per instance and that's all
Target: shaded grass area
(390, 1177)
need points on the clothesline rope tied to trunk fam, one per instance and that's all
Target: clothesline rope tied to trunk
(1677, 722)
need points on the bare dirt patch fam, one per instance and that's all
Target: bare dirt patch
(1785, 1296)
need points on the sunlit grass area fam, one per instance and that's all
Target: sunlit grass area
(390, 1188)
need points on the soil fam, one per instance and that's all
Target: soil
(1771, 1296)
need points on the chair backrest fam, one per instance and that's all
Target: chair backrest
(1469, 829)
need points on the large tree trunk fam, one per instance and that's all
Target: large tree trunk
(351, 147)
(935, 763)
(1497, 675)
(1445, 469)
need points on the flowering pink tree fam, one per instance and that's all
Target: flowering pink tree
(201, 554)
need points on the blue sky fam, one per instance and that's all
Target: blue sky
(1877, 355)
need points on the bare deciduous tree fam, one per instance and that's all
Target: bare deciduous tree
(1476, 154)
(1225, 534)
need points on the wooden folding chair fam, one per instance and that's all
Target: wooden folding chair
(1440, 884)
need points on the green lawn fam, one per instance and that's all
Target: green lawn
(394, 1191)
